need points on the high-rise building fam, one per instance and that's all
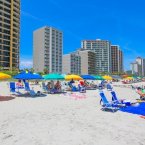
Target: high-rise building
(117, 59)
(102, 48)
(121, 64)
(143, 67)
(134, 68)
(47, 50)
(71, 64)
(138, 67)
(88, 63)
(9, 33)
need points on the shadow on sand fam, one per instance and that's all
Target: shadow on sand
(6, 98)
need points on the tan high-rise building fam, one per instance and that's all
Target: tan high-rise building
(88, 63)
(9, 34)
(71, 63)
(116, 59)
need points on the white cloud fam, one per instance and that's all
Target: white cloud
(26, 14)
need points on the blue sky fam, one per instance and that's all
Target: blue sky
(120, 21)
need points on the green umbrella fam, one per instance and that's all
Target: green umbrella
(99, 77)
(53, 77)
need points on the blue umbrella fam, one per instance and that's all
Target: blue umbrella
(28, 76)
(88, 77)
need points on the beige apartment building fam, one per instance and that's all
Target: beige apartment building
(71, 63)
(9, 34)
(88, 63)
(47, 50)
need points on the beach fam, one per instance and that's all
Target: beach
(57, 119)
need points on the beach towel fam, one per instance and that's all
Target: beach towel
(139, 109)
(140, 101)
(74, 96)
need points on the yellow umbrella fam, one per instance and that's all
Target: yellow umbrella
(74, 77)
(4, 76)
(107, 77)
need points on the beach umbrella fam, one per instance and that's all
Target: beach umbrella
(99, 77)
(139, 77)
(28, 76)
(107, 77)
(74, 77)
(135, 77)
(88, 77)
(129, 78)
(53, 77)
(124, 76)
(4, 76)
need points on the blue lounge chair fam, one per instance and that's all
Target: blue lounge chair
(13, 89)
(81, 89)
(34, 94)
(31, 91)
(27, 87)
(106, 104)
(45, 88)
(109, 87)
(114, 97)
(117, 101)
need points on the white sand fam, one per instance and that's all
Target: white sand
(59, 120)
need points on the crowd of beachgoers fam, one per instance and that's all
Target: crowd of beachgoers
(72, 112)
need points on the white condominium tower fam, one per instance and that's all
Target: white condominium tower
(102, 48)
(47, 50)
(138, 67)
(88, 64)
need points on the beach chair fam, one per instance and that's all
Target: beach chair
(45, 89)
(117, 101)
(81, 89)
(27, 87)
(31, 91)
(106, 104)
(13, 89)
(109, 87)
(34, 94)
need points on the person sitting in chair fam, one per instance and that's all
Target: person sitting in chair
(19, 84)
(57, 86)
(48, 85)
(141, 93)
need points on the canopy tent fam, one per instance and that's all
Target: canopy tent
(74, 77)
(88, 77)
(53, 77)
(27, 76)
(4, 76)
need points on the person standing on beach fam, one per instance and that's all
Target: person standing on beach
(52, 84)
